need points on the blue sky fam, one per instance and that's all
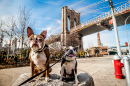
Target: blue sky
(46, 12)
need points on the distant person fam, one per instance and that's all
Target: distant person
(52, 57)
(87, 54)
(26, 58)
(12, 56)
(127, 51)
(16, 58)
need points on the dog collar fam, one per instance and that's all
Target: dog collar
(46, 46)
(68, 60)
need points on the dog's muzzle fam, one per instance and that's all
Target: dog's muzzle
(71, 54)
(35, 45)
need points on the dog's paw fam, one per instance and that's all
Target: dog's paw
(46, 79)
(60, 79)
(77, 82)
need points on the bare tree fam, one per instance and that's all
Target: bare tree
(54, 46)
(23, 23)
(1, 36)
(1, 31)
(52, 38)
(9, 30)
(73, 39)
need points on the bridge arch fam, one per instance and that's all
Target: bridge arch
(70, 19)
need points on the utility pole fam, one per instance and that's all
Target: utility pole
(115, 29)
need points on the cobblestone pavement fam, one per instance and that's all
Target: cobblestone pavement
(100, 68)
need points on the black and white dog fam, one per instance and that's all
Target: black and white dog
(69, 65)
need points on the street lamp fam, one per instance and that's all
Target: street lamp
(115, 29)
(127, 34)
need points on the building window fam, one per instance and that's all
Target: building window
(114, 49)
(97, 51)
(104, 50)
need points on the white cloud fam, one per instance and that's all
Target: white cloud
(42, 29)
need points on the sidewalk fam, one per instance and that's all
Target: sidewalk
(101, 69)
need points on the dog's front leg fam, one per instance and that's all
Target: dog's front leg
(47, 74)
(76, 80)
(32, 68)
(62, 72)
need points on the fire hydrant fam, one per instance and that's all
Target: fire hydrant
(118, 65)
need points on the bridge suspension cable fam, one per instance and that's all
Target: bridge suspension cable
(75, 4)
(59, 27)
(102, 1)
(101, 8)
(120, 3)
(55, 21)
(94, 10)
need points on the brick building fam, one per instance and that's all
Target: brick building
(99, 50)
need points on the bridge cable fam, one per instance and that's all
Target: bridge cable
(108, 11)
(94, 10)
(56, 21)
(75, 4)
(60, 14)
(120, 3)
(102, 1)
(56, 29)
(101, 8)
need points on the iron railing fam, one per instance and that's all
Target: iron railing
(101, 17)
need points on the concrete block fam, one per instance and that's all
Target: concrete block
(84, 78)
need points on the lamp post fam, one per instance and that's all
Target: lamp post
(115, 29)
(127, 34)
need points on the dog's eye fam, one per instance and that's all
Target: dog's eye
(76, 48)
(67, 49)
(40, 40)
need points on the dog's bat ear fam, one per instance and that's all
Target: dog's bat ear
(76, 48)
(44, 33)
(29, 31)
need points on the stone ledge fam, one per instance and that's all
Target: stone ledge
(84, 78)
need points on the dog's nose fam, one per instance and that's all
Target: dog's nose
(35, 41)
(71, 51)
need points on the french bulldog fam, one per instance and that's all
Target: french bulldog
(69, 65)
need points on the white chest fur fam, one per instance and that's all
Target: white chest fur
(69, 66)
(39, 59)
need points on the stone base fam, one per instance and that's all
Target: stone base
(84, 80)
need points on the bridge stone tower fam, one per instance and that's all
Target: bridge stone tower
(69, 20)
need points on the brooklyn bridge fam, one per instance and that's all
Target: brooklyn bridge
(71, 25)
